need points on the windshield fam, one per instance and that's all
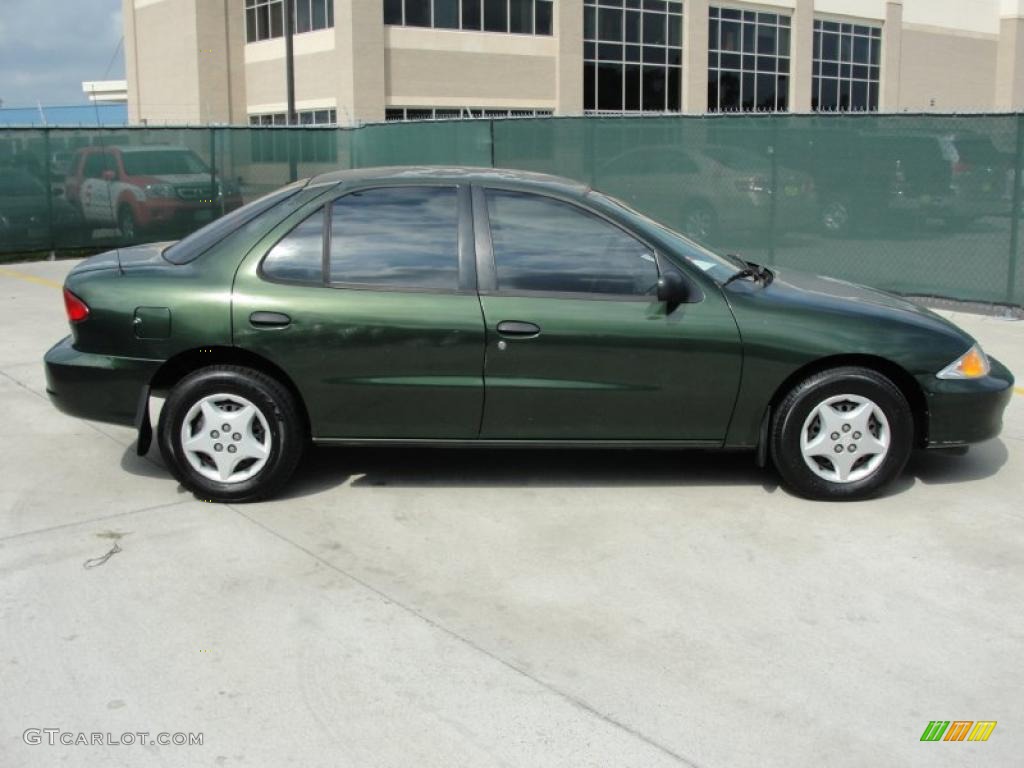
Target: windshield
(737, 159)
(200, 241)
(163, 162)
(718, 267)
(19, 183)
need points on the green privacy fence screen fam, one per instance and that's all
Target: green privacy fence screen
(919, 204)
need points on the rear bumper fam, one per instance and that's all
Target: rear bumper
(967, 411)
(97, 387)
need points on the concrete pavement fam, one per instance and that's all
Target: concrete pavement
(470, 608)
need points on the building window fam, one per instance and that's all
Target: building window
(748, 61)
(846, 68)
(632, 56)
(310, 146)
(306, 117)
(264, 19)
(398, 114)
(520, 17)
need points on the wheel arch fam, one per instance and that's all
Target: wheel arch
(896, 373)
(174, 369)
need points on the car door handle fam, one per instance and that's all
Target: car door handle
(517, 329)
(269, 319)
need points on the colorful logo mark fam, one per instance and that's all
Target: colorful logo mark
(958, 730)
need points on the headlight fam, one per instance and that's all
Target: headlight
(160, 190)
(972, 364)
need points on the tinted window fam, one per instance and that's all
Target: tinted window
(299, 256)
(541, 244)
(96, 163)
(404, 237)
(164, 162)
(203, 239)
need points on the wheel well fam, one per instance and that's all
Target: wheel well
(906, 383)
(184, 363)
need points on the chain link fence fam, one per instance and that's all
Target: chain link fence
(925, 205)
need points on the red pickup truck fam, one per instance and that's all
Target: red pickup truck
(147, 188)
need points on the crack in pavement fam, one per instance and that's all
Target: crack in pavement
(564, 695)
(100, 519)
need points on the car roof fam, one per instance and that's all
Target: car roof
(504, 177)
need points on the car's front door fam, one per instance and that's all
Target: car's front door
(369, 305)
(578, 345)
(97, 205)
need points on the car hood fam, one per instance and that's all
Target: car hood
(124, 259)
(832, 294)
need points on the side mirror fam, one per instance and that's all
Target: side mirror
(109, 176)
(672, 289)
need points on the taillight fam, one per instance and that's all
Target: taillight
(77, 309)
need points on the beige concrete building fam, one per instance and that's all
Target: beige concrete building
(223, 61)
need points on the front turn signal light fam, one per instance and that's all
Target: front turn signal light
(973, 364)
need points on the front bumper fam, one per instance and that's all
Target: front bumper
(97, 387)
(963, 411)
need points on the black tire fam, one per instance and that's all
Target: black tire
(794, 411)
(700, 222)
(837, 217)
(287, 435)
(127, 226)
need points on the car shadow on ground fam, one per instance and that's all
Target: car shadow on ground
(325, 468)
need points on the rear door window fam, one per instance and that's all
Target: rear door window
(396, 237)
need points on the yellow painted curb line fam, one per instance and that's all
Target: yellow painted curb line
(30, 278)
(1019, 390)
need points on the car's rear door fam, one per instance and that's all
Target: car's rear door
(578, 346)
(369, 305)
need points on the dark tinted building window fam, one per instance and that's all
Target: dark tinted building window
(496, 15)
(393, 12)
(846, 67)
(299, 256)
(748, 61)
(417, 13)
(403, 237)
(632, 56)
(541, 244)
(524, 17)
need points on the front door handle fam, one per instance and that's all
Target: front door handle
(517, 329)
(269, 319)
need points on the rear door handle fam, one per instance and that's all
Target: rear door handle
(269, 319)
(518, 329)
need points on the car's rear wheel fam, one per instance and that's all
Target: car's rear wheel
(844, 433)
(231, 434)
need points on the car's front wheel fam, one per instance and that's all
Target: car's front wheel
(231, 434)
(842, 434)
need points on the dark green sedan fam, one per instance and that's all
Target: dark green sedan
(448, 306)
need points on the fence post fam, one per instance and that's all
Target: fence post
(491, 121)
(215, 194)
(48, 175)
(1011, 270)
(773, 204)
